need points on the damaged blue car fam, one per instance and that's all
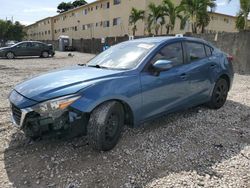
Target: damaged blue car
(128, 84)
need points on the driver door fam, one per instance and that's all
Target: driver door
(167, 91)
(22, 49)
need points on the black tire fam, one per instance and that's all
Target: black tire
(10, 55)
(31, 133)
(219, 96)
(45, 54)
(105, 126)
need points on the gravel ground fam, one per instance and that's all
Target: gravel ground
(195, 148)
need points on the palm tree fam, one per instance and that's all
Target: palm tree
(203, 21)
(244, 12)
(173, 12)
(195, 9)
(240, 22)
(156, 17)
(134, 17)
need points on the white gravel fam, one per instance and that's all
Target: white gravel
(195, 148)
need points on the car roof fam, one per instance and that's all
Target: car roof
(160, 40)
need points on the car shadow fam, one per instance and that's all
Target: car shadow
(193, 140)
(23, 58)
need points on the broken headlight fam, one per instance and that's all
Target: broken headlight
(56, 107)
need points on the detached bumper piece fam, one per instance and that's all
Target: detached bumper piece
(70, 124)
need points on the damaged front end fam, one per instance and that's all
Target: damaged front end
(53, 117)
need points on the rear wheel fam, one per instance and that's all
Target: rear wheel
(10, 55)
(45, 54)
(105, 126)
(219, 95)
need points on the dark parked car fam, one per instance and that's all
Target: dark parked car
(127, 84)
(28, 48)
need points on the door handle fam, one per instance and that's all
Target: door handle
(213, 66)
(183, 76)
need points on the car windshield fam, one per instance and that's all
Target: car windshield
(122, 56)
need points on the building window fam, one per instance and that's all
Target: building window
(76, 28)
(226, 20)
(117, 2)
(107, 5)
(96, 7)
(49, 32)
(89, 26)
(116, 21)
(83, 27)
(97, 24)
(106, 24)
(85, 12)
(63, 30)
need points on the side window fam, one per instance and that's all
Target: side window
(171, 52)
(23, 45)
(208, 50)
(195, 51)
(36, 45)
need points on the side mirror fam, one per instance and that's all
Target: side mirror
(163, 65)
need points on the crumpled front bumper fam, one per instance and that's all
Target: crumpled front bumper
(18, 115)
(27, 119)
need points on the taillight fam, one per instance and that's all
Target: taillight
(230, 58)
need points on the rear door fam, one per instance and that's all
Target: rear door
(199, 71)
(36, 48)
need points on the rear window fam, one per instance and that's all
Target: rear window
(195, 51)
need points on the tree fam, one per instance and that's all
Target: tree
(203, 20)
(10, 31)
(79, 3)
(173, 12)
(134, 17)
(156, 17)
(240, 22)
(3, 29)
(195, 9)
(243, 15)
(63, 6)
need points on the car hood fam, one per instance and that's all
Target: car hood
(63, 82)
(4, 48)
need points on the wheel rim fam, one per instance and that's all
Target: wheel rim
(111, 128)
(10, 55)
(221, 94)
(45, 54)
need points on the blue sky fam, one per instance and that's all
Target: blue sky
(29, 11)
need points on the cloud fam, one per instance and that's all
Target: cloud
(26, 22)
(34, 10)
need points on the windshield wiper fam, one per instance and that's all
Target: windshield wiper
(82, 65)
(98, 66)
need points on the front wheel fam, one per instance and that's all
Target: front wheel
(105, 126)
(219, 95)
(10, 55)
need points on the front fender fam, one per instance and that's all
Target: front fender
(126, 89)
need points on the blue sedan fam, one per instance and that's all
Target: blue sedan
(128, 84)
